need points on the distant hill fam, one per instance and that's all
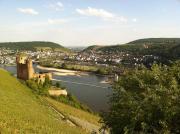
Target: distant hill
(164, 47)
(92, 48)
(156, 40)
(23, 112)
(36, 45)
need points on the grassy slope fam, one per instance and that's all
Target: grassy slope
(22, 112)
(68, 110)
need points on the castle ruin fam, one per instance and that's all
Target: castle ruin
(25, 70)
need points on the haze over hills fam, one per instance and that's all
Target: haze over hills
(34, 45)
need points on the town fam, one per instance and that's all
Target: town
(90, 58)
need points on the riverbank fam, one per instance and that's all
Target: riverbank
(66, 72)
(62, 72)
(96, 69)
(7, 65)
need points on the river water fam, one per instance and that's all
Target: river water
(89, 89)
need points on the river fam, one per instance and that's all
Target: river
(89, 89)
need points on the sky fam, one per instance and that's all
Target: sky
(88, 22)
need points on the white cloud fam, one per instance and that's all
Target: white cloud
(134, 20)
(28, 11)
(58, 6)
(101, 13)
(57, 21)
(96, 12)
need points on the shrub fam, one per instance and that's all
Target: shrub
(57, 84)
(39, 88)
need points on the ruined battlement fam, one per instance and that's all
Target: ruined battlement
(41, 77)
(25, 70)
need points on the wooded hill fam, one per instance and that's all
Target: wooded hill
(35, 45)
(163, 47)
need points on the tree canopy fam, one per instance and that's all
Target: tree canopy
(34, 45)
(146, 101)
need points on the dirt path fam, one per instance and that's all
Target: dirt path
(92, 128)
(75, 121)
(60, 115)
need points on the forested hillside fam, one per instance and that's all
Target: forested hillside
(164, 47)
(156, 40)
(36, 45)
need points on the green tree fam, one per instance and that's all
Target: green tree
(39, 87)
(101, 71)
(64, 65)
(57, 84)
(146, 101)
(47, 83)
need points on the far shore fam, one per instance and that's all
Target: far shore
(8, 64)
(65, 72)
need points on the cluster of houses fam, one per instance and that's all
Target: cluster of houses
(111, 58)
(8, 56)
(7, 59)
(93, 58)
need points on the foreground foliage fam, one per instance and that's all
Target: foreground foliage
(146, 101)
(39, 88)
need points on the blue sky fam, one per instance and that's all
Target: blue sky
(88, 22)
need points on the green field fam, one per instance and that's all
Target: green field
(23, 112)
(71, 111)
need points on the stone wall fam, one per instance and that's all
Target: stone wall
(41, 77)
(24, 68)
(57, 92)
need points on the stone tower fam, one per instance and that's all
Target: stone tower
(25, 69)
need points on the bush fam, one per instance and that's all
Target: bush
(64, 66)
(146, 101)
(104, 71)
(57, 84)
(39, 88)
